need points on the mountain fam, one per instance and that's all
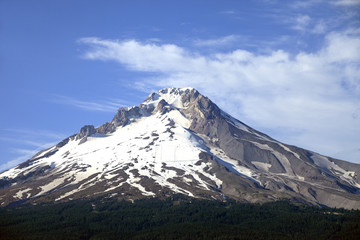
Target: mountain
(179, 142)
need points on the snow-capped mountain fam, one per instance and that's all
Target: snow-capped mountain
(178, 141)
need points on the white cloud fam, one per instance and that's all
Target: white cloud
(344, 49)
(307, 95)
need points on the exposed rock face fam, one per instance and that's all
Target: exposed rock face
(85, 131)
(179, 141)
(162, 107)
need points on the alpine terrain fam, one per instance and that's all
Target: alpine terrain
(179, 142)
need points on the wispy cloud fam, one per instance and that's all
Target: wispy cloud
(302, 22)
(34, 138)
(31, 133)
(305, 3)
(310, 3)
(228, 12)
(306, 24)
(23, 141)
(15, 161)
(307, 90)
(24, 151)
(101, 106)
(306, 16)
(218, 42)
(22, 144)
(320, 27)
(346, 2)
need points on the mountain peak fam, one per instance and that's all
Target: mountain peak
(173, 96)
(179, 141)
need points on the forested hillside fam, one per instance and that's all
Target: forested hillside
(176, 218)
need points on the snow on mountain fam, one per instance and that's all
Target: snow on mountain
(178, 141)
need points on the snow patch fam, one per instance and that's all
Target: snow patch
(325, 163)
(50, 186)
(179, 118)
(262, 166)
(283, 160)
(236, 123)
(233, 166)
(288, 149)
(20, 193)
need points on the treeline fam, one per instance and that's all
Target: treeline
(176, 218)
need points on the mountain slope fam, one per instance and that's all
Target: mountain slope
(178, 141)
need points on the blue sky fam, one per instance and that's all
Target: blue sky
(290, 69)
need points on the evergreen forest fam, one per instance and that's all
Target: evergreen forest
(176, 218)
